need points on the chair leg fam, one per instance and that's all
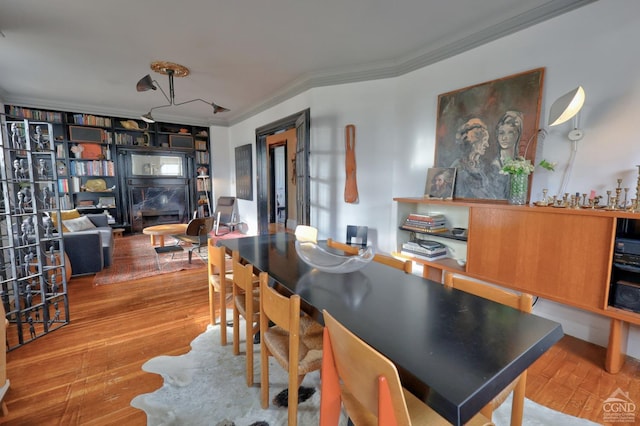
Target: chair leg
(249, 350)
(212, 305)
(517, 407)
(264, 374)
(236, 331)
(223, 320)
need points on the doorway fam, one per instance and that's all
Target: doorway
(282, 162)
(278, 186)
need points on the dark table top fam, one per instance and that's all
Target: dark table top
(454, 350)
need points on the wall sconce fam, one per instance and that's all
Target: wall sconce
(562, 110)
(171, 70)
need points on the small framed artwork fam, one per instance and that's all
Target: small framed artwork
(440, 183)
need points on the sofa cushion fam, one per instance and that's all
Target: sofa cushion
(81, 223)
(64, 215)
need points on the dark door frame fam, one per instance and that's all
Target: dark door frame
(300, 121)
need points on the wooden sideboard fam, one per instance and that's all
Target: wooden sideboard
(560, 254)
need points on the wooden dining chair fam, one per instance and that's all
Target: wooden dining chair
(522, 302)
(367, 384)
(220, 281)
(294, 340)
(246, 303)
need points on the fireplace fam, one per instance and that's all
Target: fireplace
(158, 201)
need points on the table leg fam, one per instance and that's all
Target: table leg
(161, 240)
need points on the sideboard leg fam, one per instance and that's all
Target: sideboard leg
(617, 347)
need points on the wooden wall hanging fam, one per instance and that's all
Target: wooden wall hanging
(351, 184)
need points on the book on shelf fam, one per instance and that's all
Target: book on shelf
(425, 246)
(429, 218)
(422, 256)
(423, 229)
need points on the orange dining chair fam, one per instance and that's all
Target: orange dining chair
(220, 281)
(522, 302)
(246, 303)
(367, 384)
(294, 340)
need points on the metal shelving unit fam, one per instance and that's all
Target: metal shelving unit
(33, 274)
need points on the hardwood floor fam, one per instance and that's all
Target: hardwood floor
(87, 372)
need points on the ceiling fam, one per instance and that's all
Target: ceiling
(245, 55)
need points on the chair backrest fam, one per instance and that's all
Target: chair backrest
(522, 302)
(306, 233)
(216, 261)
(281, 310)
(226, 207)
(349, 249)
(371, 390)
(403, 265)
(242, 276)
(200, 227)
(357, 235)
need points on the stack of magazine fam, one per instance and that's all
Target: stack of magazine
(426, 223)
(424, 249)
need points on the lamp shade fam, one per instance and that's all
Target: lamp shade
(145, 83)
(148, 118)
(566, 106)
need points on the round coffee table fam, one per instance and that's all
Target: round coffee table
(159, 231)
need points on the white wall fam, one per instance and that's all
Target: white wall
(594, 46)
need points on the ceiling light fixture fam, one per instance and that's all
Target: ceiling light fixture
(172, 70)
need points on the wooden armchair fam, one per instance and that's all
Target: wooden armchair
(295, 342)
(367, 384)
(522, 302)
(197, 233)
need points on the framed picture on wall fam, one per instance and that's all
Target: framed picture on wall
(478, 127)
(244, 172)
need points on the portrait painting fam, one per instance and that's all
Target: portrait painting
(440, 183)
(481, 126)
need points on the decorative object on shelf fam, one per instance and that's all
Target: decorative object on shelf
(39, 139)
(130, 125)
(171, 70)
(440, 181)
(350, 184)
(202, 171)
(469, 117)
(77, 150)
(518, 170)
(316, 256)
(95, 185)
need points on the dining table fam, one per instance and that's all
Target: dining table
(453, 350)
